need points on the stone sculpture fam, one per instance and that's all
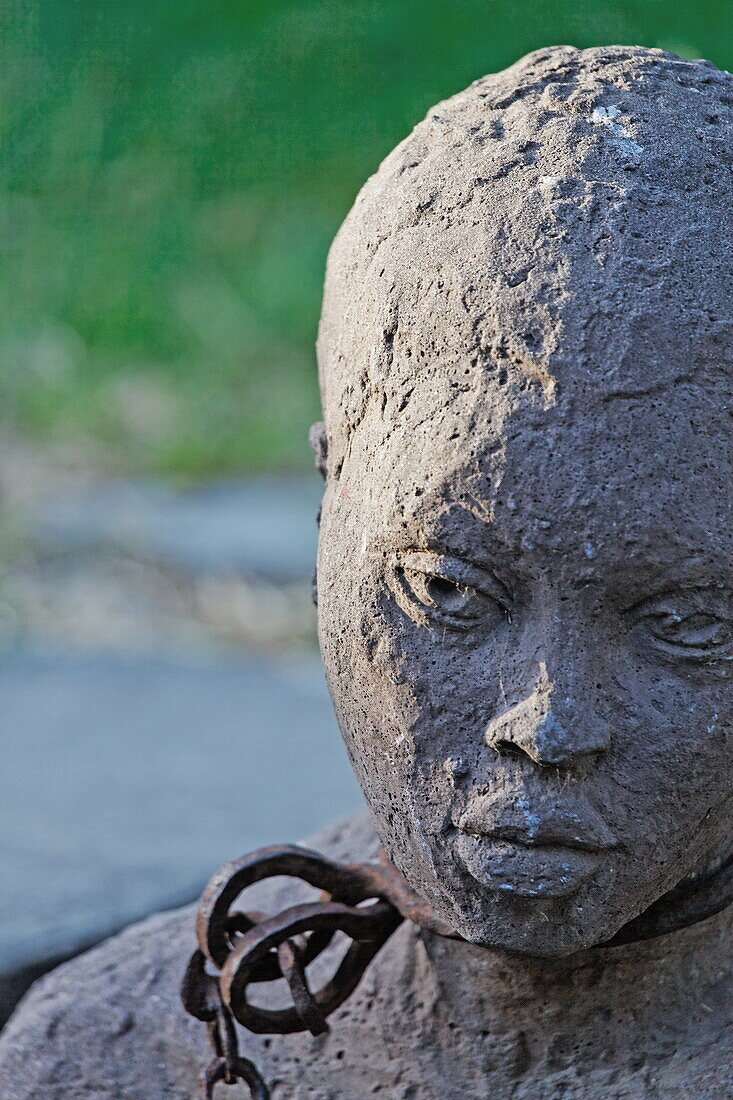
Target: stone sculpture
(526, 612)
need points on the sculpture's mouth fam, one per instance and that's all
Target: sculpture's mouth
(534, 822)
(545, 854)
(535, 870)
(547, 834)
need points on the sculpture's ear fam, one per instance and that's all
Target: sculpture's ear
(319, 446)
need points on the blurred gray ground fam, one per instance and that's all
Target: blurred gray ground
(163, 705)
(129, 564)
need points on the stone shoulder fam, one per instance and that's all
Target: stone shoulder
(80, 1029)
(110, 1025)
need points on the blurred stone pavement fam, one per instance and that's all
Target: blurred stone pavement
(162, 703)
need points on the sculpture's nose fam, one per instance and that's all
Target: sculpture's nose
(547, 732)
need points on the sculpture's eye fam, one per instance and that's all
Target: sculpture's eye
(449, 592)
(696, 624)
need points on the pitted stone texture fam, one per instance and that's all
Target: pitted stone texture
(110, 1023)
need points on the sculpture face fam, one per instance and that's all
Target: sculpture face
(535, 682)
(526, 599)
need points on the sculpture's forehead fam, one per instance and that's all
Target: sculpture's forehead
(635, 477)
(646, 312)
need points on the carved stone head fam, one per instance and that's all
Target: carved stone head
(525, 569)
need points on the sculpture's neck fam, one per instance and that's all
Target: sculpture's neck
(621, 1008)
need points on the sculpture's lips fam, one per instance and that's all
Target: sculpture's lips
(547, 852)
(537, 872)
(545, 835)
(547, 826)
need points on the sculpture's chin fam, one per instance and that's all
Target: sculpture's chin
(547, 927)
(527, 937)
(546, 901)
(528, 942)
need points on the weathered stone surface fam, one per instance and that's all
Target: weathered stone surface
(110, 1024)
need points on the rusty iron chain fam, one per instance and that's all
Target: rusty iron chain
(238, 949)
(367, 902)
(202, 998)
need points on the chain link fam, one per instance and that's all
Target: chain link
(365, 902)
(201, 996)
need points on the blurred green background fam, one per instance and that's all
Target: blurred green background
(172, 173)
